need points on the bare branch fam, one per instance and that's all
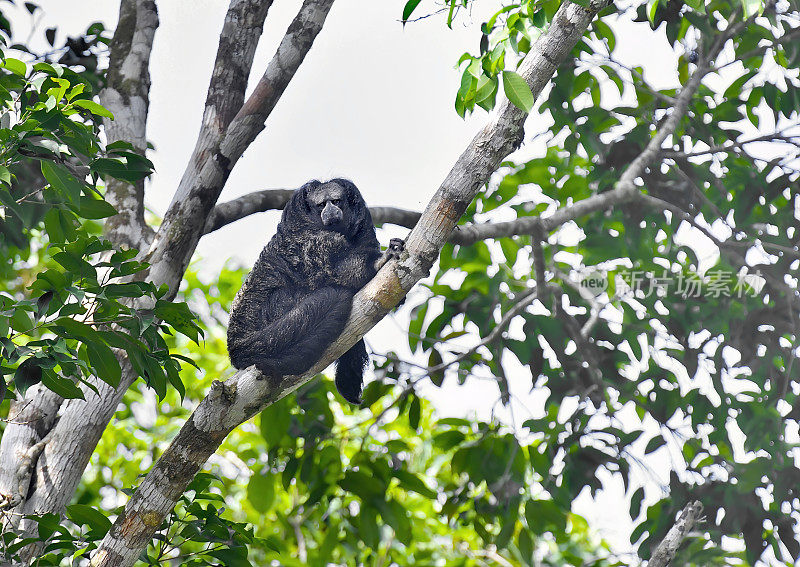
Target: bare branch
(275, 199)
(666, 550)
(394, 215)
(127, 96)
(243, 26)
(779, 136)
(246, 205)
(472, 233)
(521, 303)
(244, 23)
(248, 391)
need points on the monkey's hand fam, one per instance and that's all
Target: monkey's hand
(396, 247)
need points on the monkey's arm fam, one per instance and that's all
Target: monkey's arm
(361, 264)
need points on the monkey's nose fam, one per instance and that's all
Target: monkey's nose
(331, 214)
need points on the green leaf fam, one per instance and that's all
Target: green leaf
(58, 92)
(415, 326)
(47, 524)
(538, 19)
(414, 412)
(5, 175)
(543, 514)
(654, 444)
(93, 107)
(91, 208)
(119, 168)
(62, 181)
(434, 360)
(15, 66)
(261, 491)
(230, 557)
(20, 321)
(410, 481)
(84, 515)
(75, 91)
(362, 484)
(368, 527)
(75, 330)
(604, 31)
(275, 421)
(52, 224)
(130, 289)
(27, 374)
(409, 8)
(683, 70)
(60, 226)
(652, 6)
(636, 347)
(180, 317)
(636, 502)
(105, 364)
(735, 88)
(64, 387)
(752, 7)
(517, 91)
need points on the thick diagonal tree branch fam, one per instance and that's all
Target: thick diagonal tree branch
(248, 391)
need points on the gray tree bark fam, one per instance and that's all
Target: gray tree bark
(666, 550)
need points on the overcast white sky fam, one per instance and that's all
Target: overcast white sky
(373, 102)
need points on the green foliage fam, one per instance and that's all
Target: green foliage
(80, 298)
(65, 540)
(708, 380)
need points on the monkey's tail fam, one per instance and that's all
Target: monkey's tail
(350, 372)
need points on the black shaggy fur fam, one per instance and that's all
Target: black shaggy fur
(297, 298)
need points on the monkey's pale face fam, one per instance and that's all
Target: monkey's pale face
(328, 203)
